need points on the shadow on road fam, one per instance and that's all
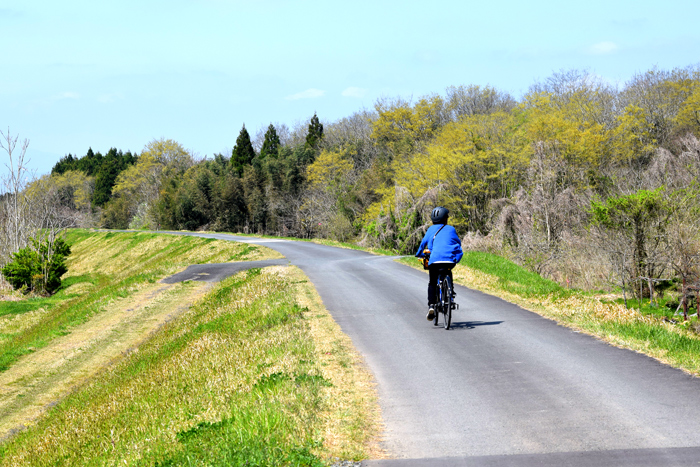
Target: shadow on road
(473, 324)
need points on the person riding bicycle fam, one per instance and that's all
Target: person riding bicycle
(444, 248)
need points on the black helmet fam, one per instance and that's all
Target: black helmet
(439, 215)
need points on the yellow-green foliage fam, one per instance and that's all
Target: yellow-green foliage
(140, 183)
(74, 188)
(689, 113)
(473, 160)
(568, 127)
(402, 128)
(328, 168)
(569, 131)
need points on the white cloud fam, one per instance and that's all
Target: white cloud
(603, 48)
(354, 92)
(66, 95)
(308, 94)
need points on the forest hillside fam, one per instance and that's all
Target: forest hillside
(588, 183)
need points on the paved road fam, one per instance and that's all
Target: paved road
(505, 387)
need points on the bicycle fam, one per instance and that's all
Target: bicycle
(445, 300)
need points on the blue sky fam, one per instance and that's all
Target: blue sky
(101, 74)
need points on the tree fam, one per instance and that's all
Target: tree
(243, 152)
(90, 163)
(467, 164)
(117, 214)
(315, 134)
(655, 98)
(75, 190)
(568, 132)
(689, 114)
(474, 100)
(140, 184)
(402, 129)
(326, 202)
(65, 164)
(18, 225)
(170, 154)
(354, 134)
(638, 218)
(271, 144)
(112, 165)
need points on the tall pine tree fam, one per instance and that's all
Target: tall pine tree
(271, 145)
(243, 152)
(315, 132)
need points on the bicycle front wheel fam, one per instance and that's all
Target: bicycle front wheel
(446, 292)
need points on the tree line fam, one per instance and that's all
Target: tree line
(586, 182)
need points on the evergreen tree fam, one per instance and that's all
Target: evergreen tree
(112, 165)
(315, 132)
(89, 164)
(243, 152)
(271, 145)
(65, 164)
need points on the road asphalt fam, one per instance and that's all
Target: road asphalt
(504, 386)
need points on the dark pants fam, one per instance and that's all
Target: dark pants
(434, 271)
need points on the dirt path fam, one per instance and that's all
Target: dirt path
(40, 379)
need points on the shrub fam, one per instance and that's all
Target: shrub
(38, 267)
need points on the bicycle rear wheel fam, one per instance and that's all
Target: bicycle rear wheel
(446, 302)
(438, 305)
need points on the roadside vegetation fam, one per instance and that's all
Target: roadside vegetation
(256, 372)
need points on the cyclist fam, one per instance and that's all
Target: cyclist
(444, 249)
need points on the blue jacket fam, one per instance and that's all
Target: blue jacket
(446, 247)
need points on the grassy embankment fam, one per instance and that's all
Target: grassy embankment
(102, 268)
(647, 331)
(257, 371)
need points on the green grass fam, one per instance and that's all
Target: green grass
(512, 277)
(677, 345)
(233, 381)
(507, 275)
(35, 303)
(23, 306)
